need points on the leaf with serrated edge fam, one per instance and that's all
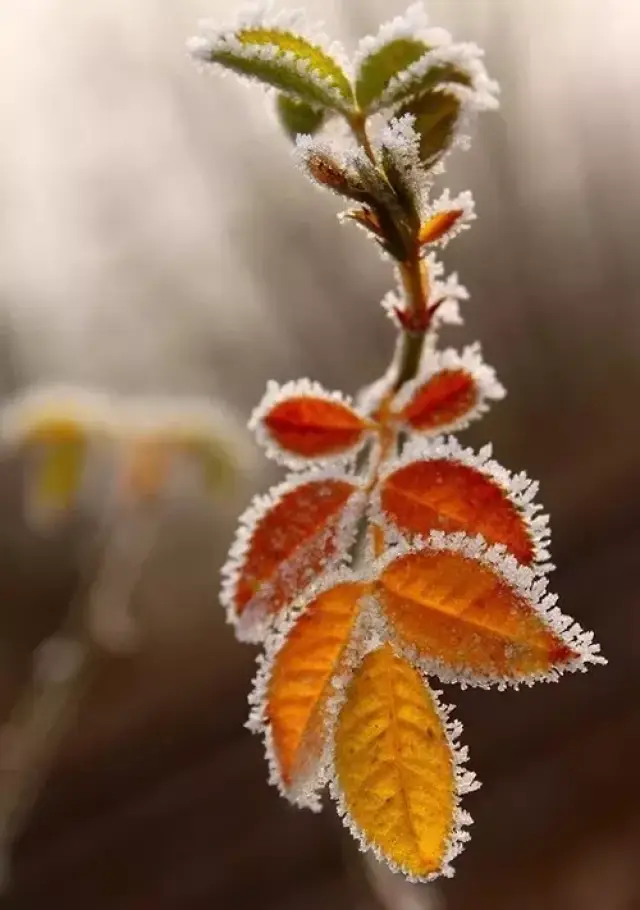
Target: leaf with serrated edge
(301, 528)
(295, 682)
(440, 485)
(378, 68)
(301, 423)
(450, 391)
(280, 58)
(397, 776)
(472, 614)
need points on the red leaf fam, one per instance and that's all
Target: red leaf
(450, 391)
(301, 423)
(448, 489)
(441, 401)
(284, 542)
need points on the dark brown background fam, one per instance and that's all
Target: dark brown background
(154, 236)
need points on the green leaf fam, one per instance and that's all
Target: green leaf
(283, 60)
(436, 116)
(376, 71)
(299, 117)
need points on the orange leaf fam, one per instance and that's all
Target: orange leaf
(395, 768)
(284, 541)
(295, 684)
(466, 614)
(448, 489)
(449, 392)
(440, 224)
(301, 422)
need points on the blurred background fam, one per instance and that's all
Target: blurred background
(154, 237)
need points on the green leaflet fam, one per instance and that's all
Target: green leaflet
(287, 62)
(436, 116)
(376, 71)
(299, 117)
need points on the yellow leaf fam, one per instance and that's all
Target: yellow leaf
(57, 476)
(395, 767)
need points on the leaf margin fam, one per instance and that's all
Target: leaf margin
(525, 583)
(258, 721)
(248, 522)
(465, 781)
(276, 394)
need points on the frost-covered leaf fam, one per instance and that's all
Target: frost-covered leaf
(295, 684)
(474, 615)
(273, 54)
(436, 116)
(367, 219)
(397, 778)
(323, 165)
(441, 486)
(301, 423)
(299, 118)
(446, 218)
(438, 225)
(286, 539)
(449, 392)
(376, 70)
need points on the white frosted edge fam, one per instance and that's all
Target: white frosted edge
(344, 156)
(264, 16)
(254, 623)
(413, 24)
(481, 95)
(464, 780)
(446, 203)
(518, 488)
(526, 584)
(307, 791)
(471, 362)
(400, 139)
(300, 388)
(96, 411)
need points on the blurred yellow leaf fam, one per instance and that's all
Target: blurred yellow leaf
(57, 475)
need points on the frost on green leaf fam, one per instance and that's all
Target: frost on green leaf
(380, 67)
(428, 73)
(279, 58)
(436, 116)
(297, 117)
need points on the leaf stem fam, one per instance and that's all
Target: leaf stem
(415, 280)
